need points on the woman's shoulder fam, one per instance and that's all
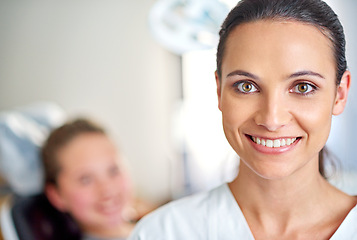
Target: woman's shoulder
(348, 228)
(194, 205)
(182, 218)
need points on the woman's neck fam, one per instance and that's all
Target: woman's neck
(287, 204)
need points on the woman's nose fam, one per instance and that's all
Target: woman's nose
(273, 112)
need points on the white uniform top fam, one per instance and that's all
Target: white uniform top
(212, 215)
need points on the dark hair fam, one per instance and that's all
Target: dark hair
(57, 139)
(314, 12)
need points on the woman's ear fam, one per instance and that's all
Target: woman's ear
(54, 197)
(218, 83)
(342, 93)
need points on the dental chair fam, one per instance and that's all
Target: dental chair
(35, 218)
(25, 212)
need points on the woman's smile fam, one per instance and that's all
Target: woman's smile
(276, 145)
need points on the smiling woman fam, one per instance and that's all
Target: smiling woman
(290, 91)
(281, 76)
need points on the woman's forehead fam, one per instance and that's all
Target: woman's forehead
(276, 29)
(278, 45)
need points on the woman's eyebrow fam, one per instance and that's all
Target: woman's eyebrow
(243, 73)
(306, 73)
(294, 75)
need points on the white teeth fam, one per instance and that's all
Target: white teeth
(277, 143)
(274, 143)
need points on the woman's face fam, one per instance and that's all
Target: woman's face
(91, 184)
(277, 95)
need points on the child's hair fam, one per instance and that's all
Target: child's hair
(58, 139)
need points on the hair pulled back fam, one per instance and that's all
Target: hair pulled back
(314, 12)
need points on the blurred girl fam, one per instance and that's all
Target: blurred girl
(84, 177)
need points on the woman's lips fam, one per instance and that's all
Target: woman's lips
(276, 145)
(280, 142)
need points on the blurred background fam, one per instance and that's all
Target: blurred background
(144, 69)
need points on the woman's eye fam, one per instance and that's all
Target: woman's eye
(246, 87)
(303, 88)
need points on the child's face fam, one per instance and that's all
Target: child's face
(91, 184)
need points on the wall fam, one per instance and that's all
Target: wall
(96, 58)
